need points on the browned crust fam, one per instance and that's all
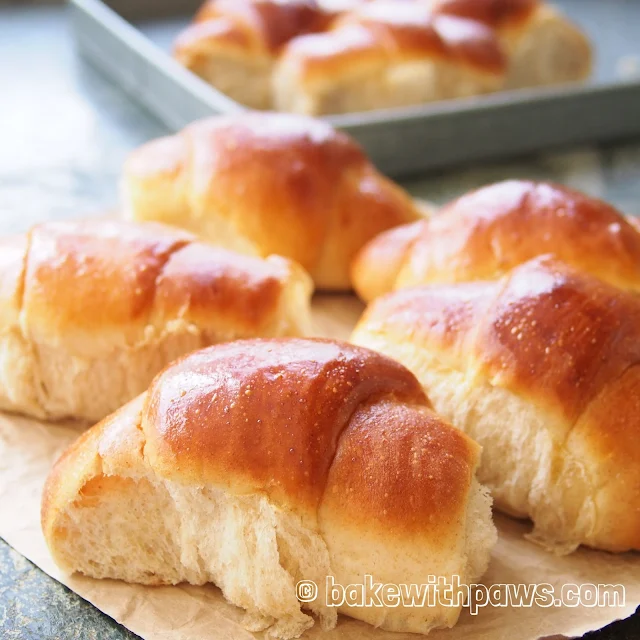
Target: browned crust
(254, 26)
(199, 41)
(198, 279)
(487, 232)
(282, 418)
(293, 166)
(495, 13)
(289, 184)
(546, 332)
(320, 56)
(105, 275)
(557, 338)
(94, 273)
(439, 318)
(411, 30)
(401, 470)
(282, 406)
(484, 234)
(389, 32)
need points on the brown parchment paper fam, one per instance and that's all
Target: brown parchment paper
(28, 448)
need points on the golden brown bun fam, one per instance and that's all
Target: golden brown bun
(268, 183)
(90, 311)
(542, 46)
(416, 33)
(232, 44)
(484, 234)
(388, 54)
(264, 462)
(542, 369)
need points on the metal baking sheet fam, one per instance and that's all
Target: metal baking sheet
(131, 40)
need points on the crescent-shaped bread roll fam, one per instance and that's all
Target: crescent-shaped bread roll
(268, 184)
(256, 464)
(388, 54)
(542, 369)
(542, 46)
(484, 234)
(233, 44)
(90, 311)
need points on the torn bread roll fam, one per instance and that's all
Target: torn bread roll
(262, 463)
(485, 233)
(542, 369)
(268, 184)
(233, 44)
(90, 311)
(388, 54)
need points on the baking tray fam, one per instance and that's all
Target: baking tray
(130, 42)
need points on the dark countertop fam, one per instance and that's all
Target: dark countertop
(64, 132)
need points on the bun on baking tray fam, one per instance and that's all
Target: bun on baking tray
(256, 464)
(268, 183)
(232, 44)
(542, 47)
(90, 311)
(487, 232)
(321, 58)
(542, 369)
